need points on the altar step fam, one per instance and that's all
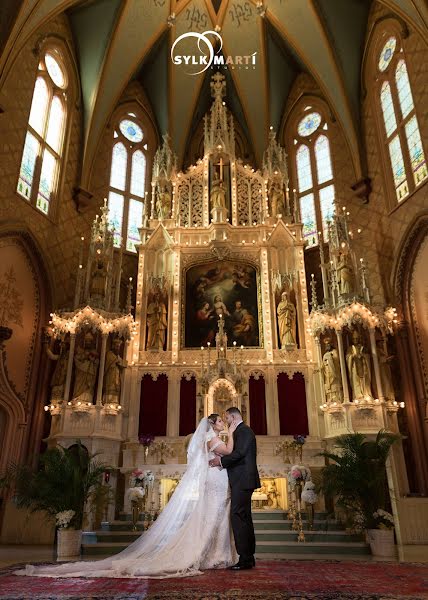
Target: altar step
(274, 537)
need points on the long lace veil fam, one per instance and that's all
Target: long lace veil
(173, 544)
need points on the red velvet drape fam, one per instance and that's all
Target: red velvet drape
(257, 391)
(187, 406)
(153, 405)
(293, 415)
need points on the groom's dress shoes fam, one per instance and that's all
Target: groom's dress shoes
(242, 566)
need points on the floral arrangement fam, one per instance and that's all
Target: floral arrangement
(142, 478)
(135, 494)
(297, 474)
(309, 495)
(383, 519)
(64, 518)
(146, 439)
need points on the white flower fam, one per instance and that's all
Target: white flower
(136, 493)
(64, 517)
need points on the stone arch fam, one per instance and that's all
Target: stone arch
(215, 387)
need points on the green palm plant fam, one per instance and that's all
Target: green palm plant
(64, 481)
(356, 475)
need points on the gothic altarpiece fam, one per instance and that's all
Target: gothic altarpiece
(221, 296)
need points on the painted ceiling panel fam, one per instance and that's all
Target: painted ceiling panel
(139, 25)
(347, 23)
(282, 68)
(92, 25)
(153, 76)
(243, 35)
(309, 40)
(183, 86)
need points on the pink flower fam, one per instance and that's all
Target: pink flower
(296, 474)
(137, 472)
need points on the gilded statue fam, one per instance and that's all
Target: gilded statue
(358, 363)
(218, 193)
(385, 371)
(330, 369)
(157, 322)
(163, 203)
(86, 360)
(113, 369)
(277, 199)
(59, 375)
(345, 274)
(286, 312)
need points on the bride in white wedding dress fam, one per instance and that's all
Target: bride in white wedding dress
(192, 534)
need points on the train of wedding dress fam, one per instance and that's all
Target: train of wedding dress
(192, 534)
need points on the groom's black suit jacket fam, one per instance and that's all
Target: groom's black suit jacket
(241, 464)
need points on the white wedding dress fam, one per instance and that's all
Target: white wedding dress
(193, 533)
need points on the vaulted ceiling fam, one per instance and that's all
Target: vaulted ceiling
(120, 40)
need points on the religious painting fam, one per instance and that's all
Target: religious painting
(226, 288)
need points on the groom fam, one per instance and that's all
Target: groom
(244, 479)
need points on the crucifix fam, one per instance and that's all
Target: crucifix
(220, 164)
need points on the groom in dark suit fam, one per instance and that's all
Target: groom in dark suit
(241, 468)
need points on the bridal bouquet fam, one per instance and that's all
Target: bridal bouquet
(64, 518)
(297, 474)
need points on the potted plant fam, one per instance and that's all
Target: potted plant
(356, 476)
(60, 488)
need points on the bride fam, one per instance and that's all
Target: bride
(193, 532)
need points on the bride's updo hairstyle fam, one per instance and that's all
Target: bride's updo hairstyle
(213, 418)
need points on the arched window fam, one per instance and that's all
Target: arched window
(314, 171)
(400, 125)
(41, 157)
(127, 182)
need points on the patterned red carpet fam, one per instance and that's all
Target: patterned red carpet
(271, 580)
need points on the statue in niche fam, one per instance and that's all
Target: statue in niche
(330, 369)
(157, 323)
(98, 280)
(218, 192)
(277, 199)
(345, 274)
(385, 371)
(59, 375)
(114, 367)
(358, 363)
(272, 494)
(286, 312)
(163, 203)
(86, 360)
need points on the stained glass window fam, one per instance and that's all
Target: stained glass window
(54, 70)
(43, 142)
(398, 169)
(135, 217)
(131, 130)
(115, 214)
(47, 179)
(118, 166)
(387, 53)
(328, 208)
(55, 125)
(323, 159)
(416, 151)
(304, 171)
(403, 88)
(128, 174)
(309, 124)
(388, 109)
(138, 174)
(309, 219)
(39, 106)
(26, 173)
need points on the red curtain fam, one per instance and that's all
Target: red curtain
(293, 415)
(257, 390)
(187, 405)
(153, 405)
